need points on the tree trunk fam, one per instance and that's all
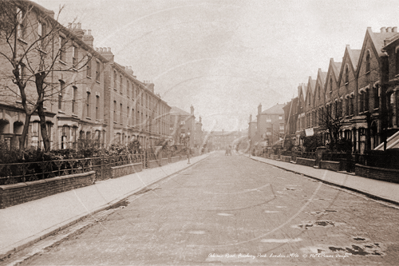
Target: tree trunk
(43, 128)
(22, 140)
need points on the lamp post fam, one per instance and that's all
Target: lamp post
(188, 147)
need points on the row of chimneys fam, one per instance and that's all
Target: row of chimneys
(103, 49)
(389, 29)
(86, 37)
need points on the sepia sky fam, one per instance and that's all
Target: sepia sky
(225, 57)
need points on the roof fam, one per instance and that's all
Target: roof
(354, 55)
(312, 84)
(275, 110)
(379, 39)
(177, 111)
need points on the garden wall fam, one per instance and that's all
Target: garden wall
(14, 194)
(153, 164)
(274, 156)
(127, 169)
(330, 165)
(285, 158)
(385, 174)
(305, 161)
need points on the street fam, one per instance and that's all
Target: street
(235, 211)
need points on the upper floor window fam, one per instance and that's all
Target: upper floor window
(368, 62)
(330, 85)
(88, 104)
(115, 80)
(346, 75)
(280, 117)
(62, 44)
(74, 56)
(121, 84)
(74, 97)
(20, 23)
(61, 95)
(268, 118)
(88, 68)
(97, 107)
(98, 71)
(41, 32)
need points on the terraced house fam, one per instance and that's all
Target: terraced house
(358, 94)
(57, 90)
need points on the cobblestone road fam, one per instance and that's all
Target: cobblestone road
(236, 211)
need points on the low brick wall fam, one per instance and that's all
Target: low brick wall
(175, 159)
(153, 164)
(389, 175)
(285, 158)
(127, 169)
(164, 161)
(305, 161)
(274, 157)
(14, 194)
(330, 165)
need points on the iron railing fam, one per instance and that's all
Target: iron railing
(13, 173)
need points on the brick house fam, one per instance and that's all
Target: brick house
(356, 94)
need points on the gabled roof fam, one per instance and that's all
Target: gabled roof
(377, 40)
(321, 80)
(177, 111)
(302, 91)
(353, 56)
(334, 70)
(275, 110)
(311, 84)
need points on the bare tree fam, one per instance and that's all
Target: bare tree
(31, 47)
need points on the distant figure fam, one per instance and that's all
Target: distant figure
(228, 151)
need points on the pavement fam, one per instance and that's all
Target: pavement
(24, 224)
(376, 189)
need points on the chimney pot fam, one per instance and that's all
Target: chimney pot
(383, 29)
(109, 49)
(79, 25)
(84, 32)
(389, 29)
(69, 25)
(394, 29)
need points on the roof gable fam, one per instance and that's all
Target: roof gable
(351, 58)
(377, 43)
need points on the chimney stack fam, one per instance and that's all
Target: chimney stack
(383, 29)
(394, 29)
(88, 38)
(192, 109)
(389, 29)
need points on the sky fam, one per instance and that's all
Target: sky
(225, 57)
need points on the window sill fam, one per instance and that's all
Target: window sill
(62, 62)
(19, 102)
(88, 118)
(88, 77)
(61, 112)
(98, 81)
(74, 115)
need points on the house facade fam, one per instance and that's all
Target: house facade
(350, 96)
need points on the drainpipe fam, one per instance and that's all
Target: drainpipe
(384, 75)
